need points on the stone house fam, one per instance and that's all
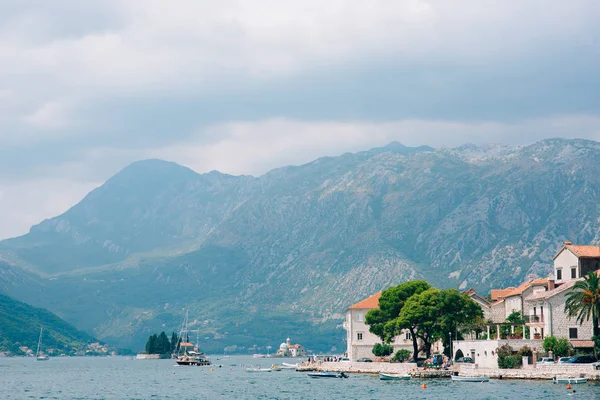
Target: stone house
(546, 309)
(542, 302)
(360, 341)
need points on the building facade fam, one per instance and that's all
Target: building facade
(360, 342)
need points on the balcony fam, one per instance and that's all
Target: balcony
(534, 319)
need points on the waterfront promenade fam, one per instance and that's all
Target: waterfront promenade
(539, 371)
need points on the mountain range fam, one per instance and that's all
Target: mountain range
(258, 259)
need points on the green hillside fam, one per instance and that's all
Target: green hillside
(20, 326)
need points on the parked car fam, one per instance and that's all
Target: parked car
(465, 360)
(365, 359)
(344, 359)
(418, 361)
(564, 360)
(545, 360)
(587, 359)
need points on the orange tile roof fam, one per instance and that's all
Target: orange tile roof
(585, 251)
(526, 285)
(582, 343)
(369, 303)
(498, 294)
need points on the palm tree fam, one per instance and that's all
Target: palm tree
(583, 302)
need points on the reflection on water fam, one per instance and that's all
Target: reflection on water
(122, 378)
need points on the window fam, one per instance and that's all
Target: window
(407, 336)
(359, 336)
(361, 317)
(559, 274)
(573, 273)
(534, 311)
(572, 333)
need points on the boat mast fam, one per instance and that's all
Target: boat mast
(37, 354)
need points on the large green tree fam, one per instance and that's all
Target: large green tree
(583, 302)
(433, 314)
(383, 320)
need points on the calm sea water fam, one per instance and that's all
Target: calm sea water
(122, 378)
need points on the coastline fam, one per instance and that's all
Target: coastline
(537, 372)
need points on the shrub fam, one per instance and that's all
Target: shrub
(401, 355)
(506, 359)
(382, 350)
(525, 351)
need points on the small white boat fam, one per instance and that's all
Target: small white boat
(470, 378)
(258, 369)
(558, 379)
(393, 377)
(288, 365)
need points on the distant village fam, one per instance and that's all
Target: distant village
(92, 349)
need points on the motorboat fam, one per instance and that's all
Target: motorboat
(470, 378)
(557, 379)
(327, 375)
(393, 377)
(258, 369)
(275, 367)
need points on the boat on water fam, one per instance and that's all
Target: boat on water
(259, 356)
(458, 378)
(327, 375)
(190, 357)
(558, 379)
(39, 355)
(289, 366)
(393, 377)
(258, 369)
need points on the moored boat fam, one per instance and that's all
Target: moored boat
(258, 369)
(393, 377)
(470, 378)
(327, 375)
(558, 379)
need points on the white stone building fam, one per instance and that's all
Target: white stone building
(360, 341)
(287, 349)
(546, 309)
(542, 302)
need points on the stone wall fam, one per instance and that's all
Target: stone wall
(541, 371)
(561, 323)
(498, 313)
(368, 368)
(483, 352)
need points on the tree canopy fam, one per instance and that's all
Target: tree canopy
(583, 303)
(427, 313)
(160, 344)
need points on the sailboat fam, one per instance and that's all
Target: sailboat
(190, 357)
(40, 356)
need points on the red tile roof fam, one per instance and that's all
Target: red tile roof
(580, 251)
(582, 343)
(549, 293)
(368, 303)
(585, 251)
(499, 294)
(526, 285)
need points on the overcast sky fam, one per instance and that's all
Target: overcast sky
(86, 87)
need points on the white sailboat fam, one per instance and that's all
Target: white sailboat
(40, 356)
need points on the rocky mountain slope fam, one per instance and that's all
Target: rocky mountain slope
(258, 259)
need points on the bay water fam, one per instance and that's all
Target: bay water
(126, 378)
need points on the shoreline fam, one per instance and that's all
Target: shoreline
(537, 372)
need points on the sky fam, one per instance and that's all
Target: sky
(87, 87)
